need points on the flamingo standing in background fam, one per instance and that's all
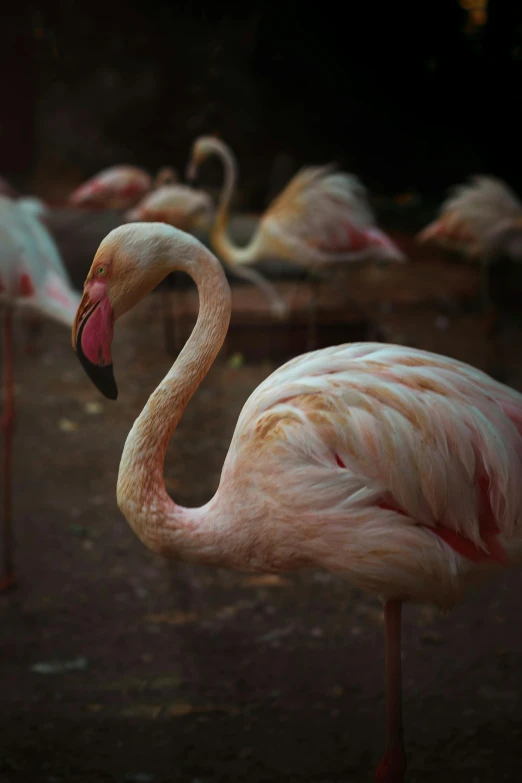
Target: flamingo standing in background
(34, 279)
(397, 468)
(32, 322)
(184, 207)
(482, 220)
(6, 189)
(178, 205)
(119, 187)
(321, 218)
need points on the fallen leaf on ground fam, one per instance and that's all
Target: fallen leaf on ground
(236, 361)
(266, 580)
(67, 425)
(93, 408)
(172, 618)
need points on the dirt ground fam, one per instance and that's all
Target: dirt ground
(118, 666)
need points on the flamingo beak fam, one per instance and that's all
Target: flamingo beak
(92, 335)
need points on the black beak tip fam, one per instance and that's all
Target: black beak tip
(102, 377)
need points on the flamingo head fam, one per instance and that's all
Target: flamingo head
(130, 262)
(201, 149)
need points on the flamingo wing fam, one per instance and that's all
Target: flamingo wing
(368, 432)
(114, 188)
(324, 214)
(43, 281)
(475, 215)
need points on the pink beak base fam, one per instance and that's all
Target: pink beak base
(93, 345)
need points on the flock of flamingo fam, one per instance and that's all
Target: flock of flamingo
(397, 468)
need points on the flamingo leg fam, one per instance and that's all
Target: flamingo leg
(7, 432)
(392, 767)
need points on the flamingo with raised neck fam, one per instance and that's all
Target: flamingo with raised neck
(322, 219)
(397, 468)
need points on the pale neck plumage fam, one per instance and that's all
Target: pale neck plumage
(161, 524)
(221, 241)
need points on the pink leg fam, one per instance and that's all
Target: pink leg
(393, 764)
(7, 431)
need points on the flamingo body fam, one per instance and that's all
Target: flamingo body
(323, 217)
(395, 467)
(34, 279)
(178, 205)
(32, 273)
(399, 469)
(483, 217)
(482, 221)
(118, 187)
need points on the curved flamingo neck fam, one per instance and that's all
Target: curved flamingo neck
(161, 524)
(221, 241)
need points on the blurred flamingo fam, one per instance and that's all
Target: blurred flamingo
(322, 218)
(33, 279)
(482, 220)
(119, 187)
(178, 205)
(183, 207)
(396, 468)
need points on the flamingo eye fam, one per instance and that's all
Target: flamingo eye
(101, 271)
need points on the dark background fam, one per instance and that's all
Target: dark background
(409, 95)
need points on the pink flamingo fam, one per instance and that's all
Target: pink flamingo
(118, 187)
(482, 220)
(33, 279)
(320, 220)
(397, 468)
(179, 205)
